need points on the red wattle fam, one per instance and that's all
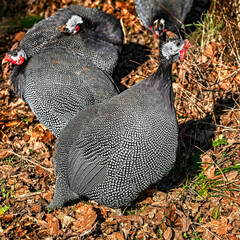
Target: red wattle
(77, 28)
(182, 53)
(7, 58)
(20, 61)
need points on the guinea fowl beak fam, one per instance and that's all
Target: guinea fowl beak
(6, 59)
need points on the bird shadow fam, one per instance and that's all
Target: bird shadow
(132, 56)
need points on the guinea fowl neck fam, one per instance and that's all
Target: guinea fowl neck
(158, 87)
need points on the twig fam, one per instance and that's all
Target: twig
(207, 230)
(230, 75)
(34, 162)
(29, 195)
(89, 231)
(123, 29)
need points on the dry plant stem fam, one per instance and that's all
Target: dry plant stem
(140, 28)
(34, 162)
(195, 104)
(89, 231)
(231, 75)
(215, 121)
(188, 92)
(207, 230)
(27, 195)
(124, 31)
(235, 45)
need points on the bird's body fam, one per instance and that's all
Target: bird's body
(59, 74)
(173, 12)
(57, 85)
(100, 41)
(112, 151)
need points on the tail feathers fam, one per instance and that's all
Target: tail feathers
(62, 194)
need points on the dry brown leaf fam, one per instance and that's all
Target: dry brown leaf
(36, 208)
(116, 236)
(4, 93)
(168, 234)
(48, 137)
(86, 216)
(48, 196)
(232, 237)
(4, 153)
(53, 225)
(18, 36)
(6, 217)
(237, 79)
(134, 218)
(231, 175)
(207, 164)
(122, 5)
(24, 177)
(21, 189)
(171, 212)
(41, 171)
(210, 50)
(220, 226)
(186, 221)
(65, 220)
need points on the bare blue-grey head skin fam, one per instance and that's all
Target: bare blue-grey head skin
(112, 151)
(73, 23)
(172, 12)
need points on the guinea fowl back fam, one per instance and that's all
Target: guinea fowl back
(112, 151)
(57, 85)
(101, 43)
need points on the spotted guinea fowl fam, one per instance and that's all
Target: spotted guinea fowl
(157, 15)
(96, 35)
(112, 151)
(57, 84)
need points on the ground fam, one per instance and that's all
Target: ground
(200, 197)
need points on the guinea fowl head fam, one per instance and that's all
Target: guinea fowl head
(175, 49)
(158, 27)
(74, 24)
(16, 56)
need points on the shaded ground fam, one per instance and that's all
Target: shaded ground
(199, 199)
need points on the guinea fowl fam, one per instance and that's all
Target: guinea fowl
(57, 84)
(63, 70)
(98, 35)
(157, 15)
(111, 151)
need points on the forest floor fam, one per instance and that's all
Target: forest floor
(199, 199)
